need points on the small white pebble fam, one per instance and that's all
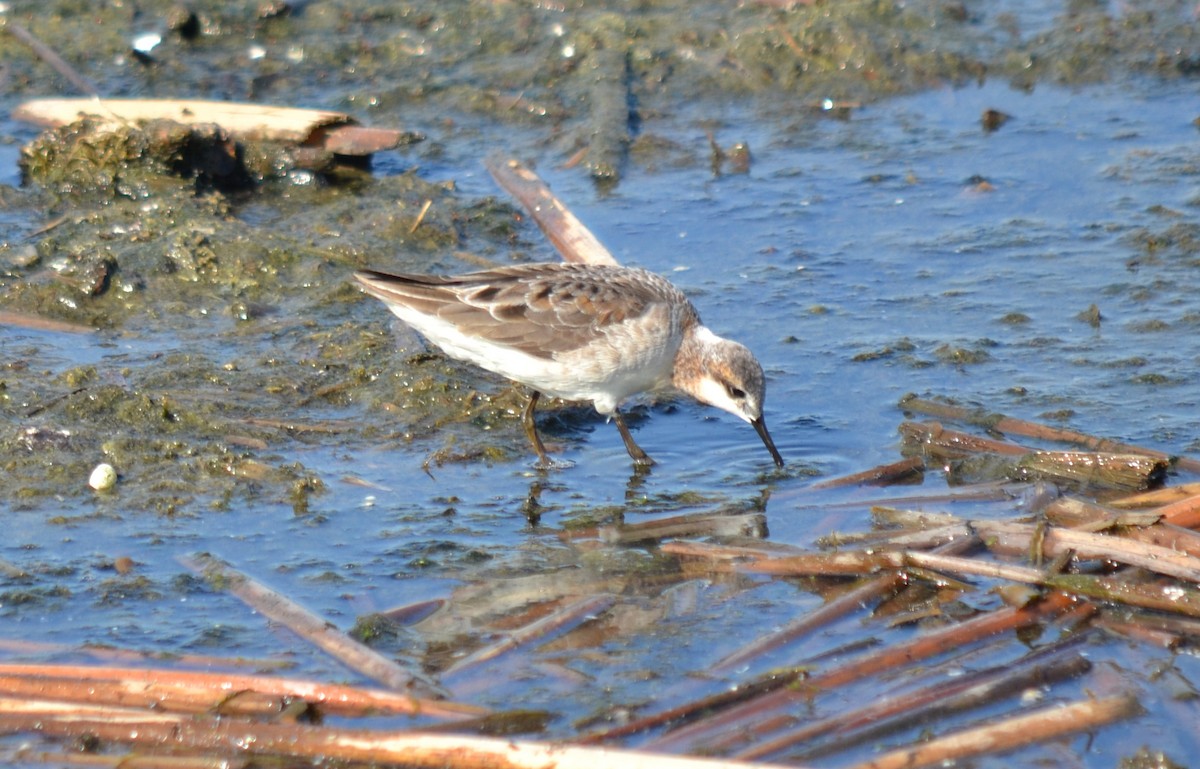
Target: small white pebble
(147, 42)
(103, 477)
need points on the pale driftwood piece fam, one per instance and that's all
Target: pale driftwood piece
(196, 691)
(1052, 541)
(1010, 425)
(574, 241)
(569, 615)
(417, 750)
(333, 131)
(1008, 735)
(38, 323)
(308, 626)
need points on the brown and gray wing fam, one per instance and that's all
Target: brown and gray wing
(538, 309)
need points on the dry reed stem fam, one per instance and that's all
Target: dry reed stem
(413, 750)
(1185, 512)
(307, 625)
(847, 729)
(194, 691)
(1158, 497)
(920, 648)
(1010, 734)
(574, 241)
(1052, 541)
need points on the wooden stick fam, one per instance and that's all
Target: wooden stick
(307, 625)
(1157, 498)
(1053, 541)
(336, 132)
(574, 241)
(331, 744)
(1010, 734)
(1005, 424)
(1184, 513)
(195, 691)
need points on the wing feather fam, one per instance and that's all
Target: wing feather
(539, 309)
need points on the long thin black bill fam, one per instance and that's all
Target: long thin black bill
(760, 425)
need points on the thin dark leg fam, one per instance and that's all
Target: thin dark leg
(531, 429)
(635, 451)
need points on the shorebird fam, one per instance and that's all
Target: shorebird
(579, 332)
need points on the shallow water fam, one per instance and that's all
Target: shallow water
(903, 249)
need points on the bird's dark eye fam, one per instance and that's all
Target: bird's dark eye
(735, 392)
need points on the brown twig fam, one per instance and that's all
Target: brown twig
(842, 731)
(911, 652)
(1053, 541)
(193, 691)
(308, 626)
(416, 750)
(1010, 734)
